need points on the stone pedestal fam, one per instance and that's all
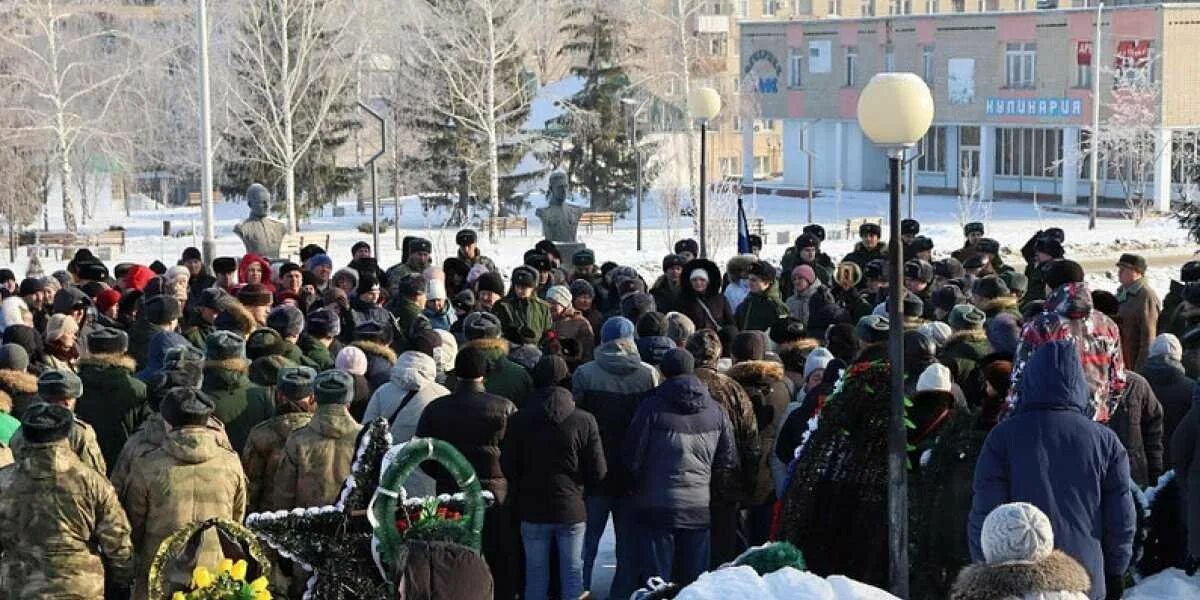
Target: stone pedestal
(568, 250)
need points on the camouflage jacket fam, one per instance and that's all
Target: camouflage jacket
(262, 455)
(316, 459)
(58, 516)
(148, 438)
(190, 478)
(82, 441)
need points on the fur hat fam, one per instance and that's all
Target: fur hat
(184, 407)
(973, 227)
(749, 345)
(913, 305)
(324, 323)
(59, 383)
(764, 271)
(224, 265)
(687, 245)
(1134, 262)
(869, 229)
(921, 244)
(371, 331)
(287, 320)
(1017, 531)
(351, 360)
(919, 270)
(264, 341)
(673, 260)
(679, 327)
(935, 378)
(910, 227)
(676, 362)
(872, 329)
(465, 237)
(490, 282)
(254, 294)
(464, 300)
(966, 317)
(582, 287)
(526, 355)
(409, 286)
(705, 346)
(334, 387)
(947, 297)
(1016, 282)
(637, 304)
(651, 324)
(214, 299)
(1167, 345)
(296, 383)
(224, 345)
(162, 309)
(989, 288)
(584, 258)
(948, 268)
(481, 325)
(616, 328)
(1050, 248)
(1058, 272)
(560, 295)
(46, 423)
(107, 340)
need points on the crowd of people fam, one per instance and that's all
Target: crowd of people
(704, 412)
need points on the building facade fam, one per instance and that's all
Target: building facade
(1012, 97)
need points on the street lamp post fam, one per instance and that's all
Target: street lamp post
(704, 103)
(635, 109)
(894, 111)
(209, 245)
(374, 190)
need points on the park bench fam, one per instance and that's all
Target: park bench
(65, 241)
(506, 224)
(292, 243)
(193, 198)
(852, 226)
(602, 219)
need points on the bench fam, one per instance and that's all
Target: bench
(757, 226)
(193, 198)
(292, 243)
(506, 224)
(602, 219)
(64, 241)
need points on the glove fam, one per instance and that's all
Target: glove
(1114, 586)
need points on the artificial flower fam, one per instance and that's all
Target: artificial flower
(239, 570)
(201, 578)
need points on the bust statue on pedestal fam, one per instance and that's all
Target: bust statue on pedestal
(560, 221)
(260, 234)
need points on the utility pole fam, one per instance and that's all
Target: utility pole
(1094, 175)
(209, 245)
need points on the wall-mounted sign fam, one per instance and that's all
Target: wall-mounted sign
(765, 70)
(1034, 107)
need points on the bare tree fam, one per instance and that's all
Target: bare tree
(971, 204)
(21, 195)
(1126, 141)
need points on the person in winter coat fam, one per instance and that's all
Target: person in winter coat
(504, 378)
(573, 332)
(475, 422)
(63, 388)
(869, 247)
(354, 361)
(237, 404)
(701, 299)
(190, 478)
(1069, 315)
(583, 301)
(1048, 454)
(1174, 389)
(676, 442)
(1042, 248)
(652, 341)
(317, 457)
(1138, 422)
(809, 294)
(806, 250)
(731, 489)
(254, 269)
(364, 304)
(374, 340)
(1017, 542)
(524, 318)
(113, 401)
(401, 401)
(760, 309)
(968, 343)
(61, 527)
(1139, 311)
(551, 451)
(61, 351)
(15, 379)
(1185, 453)
(469, 252)
(668, 288)
(264, 447)
(611, 388)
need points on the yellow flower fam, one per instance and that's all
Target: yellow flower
(259, 585)
(262, 595)
(239, 570)
(178, 596)
(201, 578)
(225, 566)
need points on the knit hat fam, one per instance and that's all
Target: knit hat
(651, 324)
(435, 288)
(550, 370)
(1017, 531)
(490, 282)
(59, 383)
(1016, 282)
(46, 423)
(351, 360)
(223, 345)
(989, 287)
(471, 363)
(705, 346)
(872, 329)
(616, 328)
(323, 323)
(296, 383)
(817, 359)
(1134, 262)
(947, 297)
(676, 362)
(59, 326)
(287, 320)
(749, 345)
(13, 357)
(804, 272)
(254, 294)
(334, 387)
(965, 317)
(1003, 333)
(698, 273)
(264, 341)
(582, 287)
(318, 260)
(481, 325)
(1168, 345)
(560, 295)
(937, 331)
(107, 340)
(1057, 272)
(679, 327)
(69, 299)
(935, 378)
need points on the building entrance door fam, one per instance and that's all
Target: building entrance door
(968, 159)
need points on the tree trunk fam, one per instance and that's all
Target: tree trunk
(289, 144)
(64, 176)
(493, 151)
(685, 71)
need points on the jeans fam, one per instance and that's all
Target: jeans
(538, 538)
(683, 552)
(626, 580)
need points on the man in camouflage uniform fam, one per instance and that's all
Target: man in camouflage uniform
(317, 457)
(58, 517)
(190, 478)
(419, 252)
(264, 448)
(63, 388)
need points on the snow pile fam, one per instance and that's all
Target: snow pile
(1169, 584)
(784, 584)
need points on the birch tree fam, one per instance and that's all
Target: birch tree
(1126, 140)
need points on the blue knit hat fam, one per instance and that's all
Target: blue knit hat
(317, 260)
(616, 328)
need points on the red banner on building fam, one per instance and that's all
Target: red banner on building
(1132, 53)
(1083, 53)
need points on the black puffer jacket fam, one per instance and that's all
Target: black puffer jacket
(710, 311)
(1174, 391)
(474, 422)
(1138, 421)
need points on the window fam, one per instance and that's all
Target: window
(762, 165)
(834, 7)
(959, 5)
(769, 7)
(737, 84)
(743, 8)
(931, 7)
(795, 67)
(900, 7)
(1020, 64)
(1028, 152)
(728, 164)
(933, 151)
(717, 45)
(889, 60)
(868, 8)
(851, 66)
(769, 124)
(737, 123)
(927, 64)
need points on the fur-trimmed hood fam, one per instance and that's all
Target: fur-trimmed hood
(1056, 573)
(241, 315)
(493, 347)
(18, 382)
(1001, 304)
(757, 372)
(376, 349)
(967, 335)
(236, 365)
(106, 361)
(5, 402)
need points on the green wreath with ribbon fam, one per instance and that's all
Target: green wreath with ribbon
(237, 543)
(390, 497)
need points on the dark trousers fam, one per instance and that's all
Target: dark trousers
(675, 555)
(502, 551)
(726, 537)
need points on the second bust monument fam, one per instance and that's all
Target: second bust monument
(260, 234)
(560, 221)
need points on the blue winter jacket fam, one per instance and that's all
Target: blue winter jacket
(678, 437)
(156, 353)
(1050, 454)
(653, 348)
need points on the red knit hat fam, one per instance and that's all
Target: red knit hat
(107, 299)
(138, 276)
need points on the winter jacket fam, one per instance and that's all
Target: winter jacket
(140, 334)
(861, 255)
(440, 320)
(822, 267)
(998, 306)
(156, 353)
(551, 452)
(1185, 452)
(1138, 422)
(239, 405)
(667, 295)
(150, 437)
(262, 455)
(362, 312)
(1069, 315)
(380, 360)
(406, 312)
(196, 329)
(962, 354)
(576, 337)
(677, 439)
(81, 439)
(764, 384)
(315, 353)
(1056, 577)
(21, 387)
(712, 310)
(804, 305)
(734, 487)
(523, 320)
(1174, 391)
(316, 459)
(506, 379)
(61, 528)
(758, 312)
(610, 388)
(475, 423)
(1048, 454)
(478, 259)
(413, 375)
(442, 571)
(652, 348)
(113, 402)
(190, 478)
(1139, 312)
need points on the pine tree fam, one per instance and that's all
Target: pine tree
(600, 160)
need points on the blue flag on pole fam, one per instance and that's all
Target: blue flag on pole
(743, 229)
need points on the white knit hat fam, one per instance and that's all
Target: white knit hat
(560, 295)
(1167, 344)
(60, 325)
(937, 331)
(1017, 531)
(351, 360)
(935, 378)
(435, 289)
(817, 359)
